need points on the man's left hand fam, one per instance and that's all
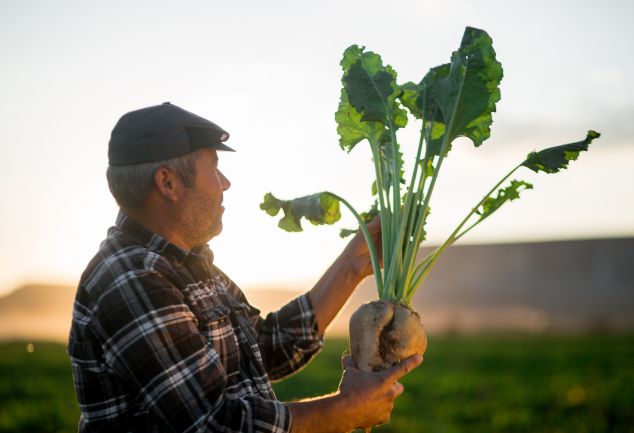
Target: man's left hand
(358, 253)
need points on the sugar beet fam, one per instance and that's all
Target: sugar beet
(383, 333)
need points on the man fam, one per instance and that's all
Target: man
(163, 341)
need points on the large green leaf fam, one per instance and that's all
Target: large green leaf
(416, 98)
(511, 192)
(426, 102)
(462, 95)
(368, 104)
(553, 159)
(351, 129)
(319, 208)
(369, 90)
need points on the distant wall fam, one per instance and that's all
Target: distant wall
(563, 286)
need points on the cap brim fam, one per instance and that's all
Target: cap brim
(222, 146)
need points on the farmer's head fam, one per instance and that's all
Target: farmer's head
(163, 162)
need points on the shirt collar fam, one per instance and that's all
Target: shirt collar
(198, 256)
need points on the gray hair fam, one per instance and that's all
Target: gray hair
(131, 184)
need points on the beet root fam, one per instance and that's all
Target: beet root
(383, 333)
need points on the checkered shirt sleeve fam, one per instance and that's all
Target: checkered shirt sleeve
(288, 338)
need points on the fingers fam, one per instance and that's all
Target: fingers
(398, 389)
(375, 224)
(374, 227)
(347, 362)
(400, 370)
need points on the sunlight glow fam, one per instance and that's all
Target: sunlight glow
(263, 74)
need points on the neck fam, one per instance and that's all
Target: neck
(160, 222)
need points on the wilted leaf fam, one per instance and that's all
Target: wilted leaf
(553, 159)
(511, 192)
(319, 208)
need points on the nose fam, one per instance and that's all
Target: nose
(225, 182)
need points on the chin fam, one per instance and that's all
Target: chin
(215, 231)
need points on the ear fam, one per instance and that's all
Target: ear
(168, 184)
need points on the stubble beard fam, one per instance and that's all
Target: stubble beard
(198, 224)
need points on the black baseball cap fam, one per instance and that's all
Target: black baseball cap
(162, 132)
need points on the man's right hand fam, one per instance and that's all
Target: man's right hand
(369, 396)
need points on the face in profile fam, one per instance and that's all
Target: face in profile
(202, 209)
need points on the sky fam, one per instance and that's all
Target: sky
(268, 72)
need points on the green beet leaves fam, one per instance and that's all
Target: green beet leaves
(351, 128)
(455, 99)
(553, 159)
(368, 106)
(319, 208)
(461, 95)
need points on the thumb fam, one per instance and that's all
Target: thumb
(400, 370)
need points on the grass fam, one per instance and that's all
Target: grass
(504, 384)
(479, 384)
(36, 389)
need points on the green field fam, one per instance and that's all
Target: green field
(483, 384)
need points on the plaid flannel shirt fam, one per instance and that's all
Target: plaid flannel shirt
(162, 341)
